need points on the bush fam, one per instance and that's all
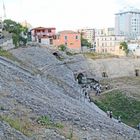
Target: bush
(62, 47)
(45, 121)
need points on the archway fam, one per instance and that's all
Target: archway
(80, 77)
(104, 74)
(136, 72)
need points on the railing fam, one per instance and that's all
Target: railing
(42, 33)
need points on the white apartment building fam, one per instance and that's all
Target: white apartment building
(104, 32)
(127, 23)
(109, 44)
(88, 34)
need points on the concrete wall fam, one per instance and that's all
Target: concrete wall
(114, 67)
(7, 44)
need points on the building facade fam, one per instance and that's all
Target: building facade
(71, 39)
(105, 32)
(109, 44)
(127, 23)
(1, 25)
(88, 34)
(43, 35)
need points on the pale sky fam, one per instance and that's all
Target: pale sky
(66, 14)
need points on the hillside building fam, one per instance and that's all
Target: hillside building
(43, 35)
(109, 44)
(70, 39)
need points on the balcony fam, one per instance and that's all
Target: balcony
(45, 34)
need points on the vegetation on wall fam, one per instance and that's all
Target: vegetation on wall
(24, 127)
(8, 55)
(46, 121)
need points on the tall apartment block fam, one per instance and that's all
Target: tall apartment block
(127, 23)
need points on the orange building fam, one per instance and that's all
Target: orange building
(70, 39)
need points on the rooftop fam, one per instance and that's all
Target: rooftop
(41, 28)
(128, 10)
(68, 32)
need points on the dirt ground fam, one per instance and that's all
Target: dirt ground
(127, 85)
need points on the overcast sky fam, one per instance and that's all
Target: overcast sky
(66, 14)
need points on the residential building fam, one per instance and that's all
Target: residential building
(109, 44)
(43, 35)
(127, 23)
(137, 52)
(68, 38)
(1, 25)
(104, 32)
(88, 34)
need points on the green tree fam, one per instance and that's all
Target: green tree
(62, 47)
(9, 25)
(16, 39)
(124, 47)
(84, 42)
(19, 32)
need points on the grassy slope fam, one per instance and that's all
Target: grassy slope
(126, 107)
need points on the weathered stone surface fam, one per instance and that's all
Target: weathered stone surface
(54, 92)
(8, 133)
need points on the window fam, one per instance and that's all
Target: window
(49, 31)
(66, 43)
(76, 37)
(66, 37)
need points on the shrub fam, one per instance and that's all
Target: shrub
(45, 121)
(62, 47)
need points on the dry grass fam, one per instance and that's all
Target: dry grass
(23, 126)
(93, 55)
